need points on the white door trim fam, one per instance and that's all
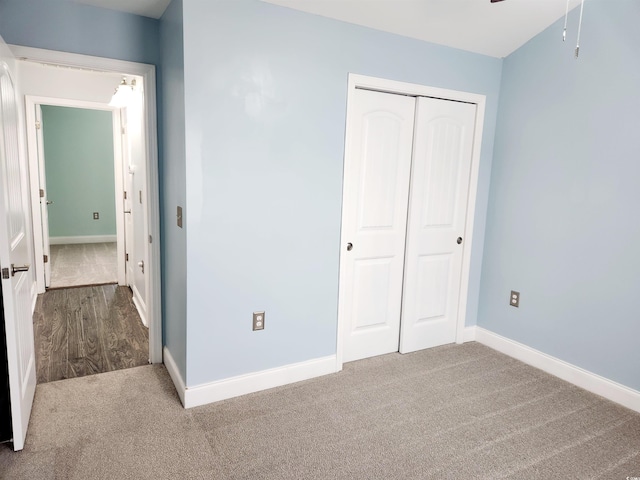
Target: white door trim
(34, 153)
(148, 73)
(391, 86)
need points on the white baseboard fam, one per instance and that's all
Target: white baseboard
(140, 305)
(582, 378)
(82, 239)
(255, 382)
(469, 334)
(174, 373)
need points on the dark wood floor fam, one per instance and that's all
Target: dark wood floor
(87, 330)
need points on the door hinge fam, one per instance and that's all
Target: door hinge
(41, 193)
(150, 239)
(46, 258)
(140, 195)
(124, 131)
(5, 273)
(126, 257)
(125, 195)
(38, 125)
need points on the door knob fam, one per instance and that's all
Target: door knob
(349, 246)
(459, 240)
(141, 265)
(49, 202)
(14, 269)
(127, 211)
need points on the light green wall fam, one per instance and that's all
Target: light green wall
(78, 148)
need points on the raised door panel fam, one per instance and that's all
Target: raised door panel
(441, 181)
(371, 275)
(382, 132)
(433, 285)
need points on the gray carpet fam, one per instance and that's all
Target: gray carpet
(459, 411)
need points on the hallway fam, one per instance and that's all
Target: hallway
(78, 265)
(87, 330)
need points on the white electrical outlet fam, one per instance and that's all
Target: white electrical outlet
(515, 299)
(258, 320)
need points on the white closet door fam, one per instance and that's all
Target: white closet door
(438, 202)
(375, 214)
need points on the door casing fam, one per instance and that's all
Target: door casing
(36, 174)
(391, 86)
(148, 74)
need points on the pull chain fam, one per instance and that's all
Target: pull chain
(566, 18)
(579, 29)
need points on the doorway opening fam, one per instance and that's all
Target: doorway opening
(85, 155)
(55, 82)
(77, 155)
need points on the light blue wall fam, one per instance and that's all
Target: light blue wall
(172, 178)
(563, 225)
(78, 151)
(71, 27)
(265, 97)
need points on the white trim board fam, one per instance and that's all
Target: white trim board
(82, 239)
(577, 376)
(266, 379)
(249, 383)
(469, 334)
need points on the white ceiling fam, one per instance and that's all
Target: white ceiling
(494, 29)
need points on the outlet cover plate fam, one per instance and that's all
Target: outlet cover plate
(514, 300)
(258, 321)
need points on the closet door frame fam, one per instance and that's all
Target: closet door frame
(391, 86)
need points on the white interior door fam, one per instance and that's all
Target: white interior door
(374, 227)
(15, 258)
(44, 197)
(139, 232)
(443, 147)
(128, 172)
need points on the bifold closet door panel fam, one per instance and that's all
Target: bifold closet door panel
(375, 208)
(443, 148)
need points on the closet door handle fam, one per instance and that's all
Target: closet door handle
(349, 246)
(459, 241)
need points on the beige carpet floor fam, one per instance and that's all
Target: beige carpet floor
(83, 264)
(453, 412)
